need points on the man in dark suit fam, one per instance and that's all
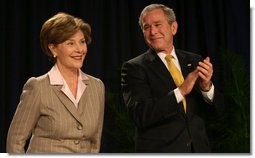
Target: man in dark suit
(167, 114)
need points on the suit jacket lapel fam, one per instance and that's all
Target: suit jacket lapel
(185, 63)
(67, 102)
(158, 67)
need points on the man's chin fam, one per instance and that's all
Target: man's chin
(157, 49)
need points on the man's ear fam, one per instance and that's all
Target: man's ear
(174, 27)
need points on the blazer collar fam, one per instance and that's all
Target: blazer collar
(56, 82)
(67, 102)
(75, 112)
(57, 79)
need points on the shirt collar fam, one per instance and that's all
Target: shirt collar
(57, 79)
(163, 55)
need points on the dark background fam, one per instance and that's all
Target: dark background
(206, 27)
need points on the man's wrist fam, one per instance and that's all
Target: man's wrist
(206, 88)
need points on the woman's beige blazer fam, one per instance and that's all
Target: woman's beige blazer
(53, 120)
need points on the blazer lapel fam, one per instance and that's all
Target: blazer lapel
(84, 99)
(67, 102)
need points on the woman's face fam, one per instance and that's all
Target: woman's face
(71, 53)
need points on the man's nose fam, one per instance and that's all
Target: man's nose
(153, 30)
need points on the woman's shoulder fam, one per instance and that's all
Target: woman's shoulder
(37, 80)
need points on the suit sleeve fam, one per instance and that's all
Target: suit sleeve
(25, 118)
(145, 108)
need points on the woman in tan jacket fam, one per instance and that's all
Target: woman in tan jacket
(63, 109)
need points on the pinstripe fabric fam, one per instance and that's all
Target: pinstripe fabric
(57, 126)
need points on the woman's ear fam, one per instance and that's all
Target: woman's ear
(52, 49)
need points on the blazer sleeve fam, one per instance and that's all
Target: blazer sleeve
(145, 108)
(97, 141)
(25, 117)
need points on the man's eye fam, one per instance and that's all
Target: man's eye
(145, 27)
(158, 25)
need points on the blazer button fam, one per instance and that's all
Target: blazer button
(79, 127)
(76, 142)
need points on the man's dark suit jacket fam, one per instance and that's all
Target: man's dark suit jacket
(161, 123)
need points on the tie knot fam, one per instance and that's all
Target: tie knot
(168, 58)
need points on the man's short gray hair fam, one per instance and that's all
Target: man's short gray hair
(169, 13)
